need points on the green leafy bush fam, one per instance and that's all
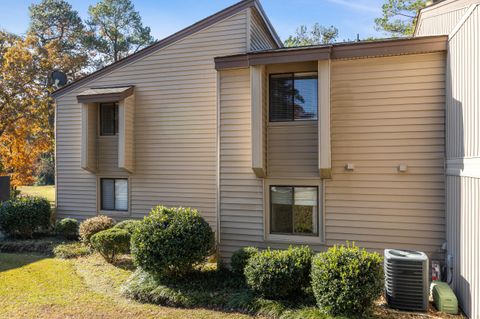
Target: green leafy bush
(67, 228)
(171, 241)
(25, 215)
(72, 250)
(111, 242)
(93, 225)
(240, 259)
(347, 280)
(279, 273)
(129, 225)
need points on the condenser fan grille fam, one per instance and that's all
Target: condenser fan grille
(406, 279)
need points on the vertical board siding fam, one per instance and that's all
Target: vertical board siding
(463, 142)
(175, 126)
(241, 192)
(386, 112)
(463, 114)
(463, 238)
(441, 23)
(260, 38)
(292, 150)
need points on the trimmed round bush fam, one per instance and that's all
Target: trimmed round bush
(171, 241)
(347, 280)
(25, 215)
(241, 257)
(279, 273)
(129, 225)
(111, 242)
(93, 225)
(67, 228)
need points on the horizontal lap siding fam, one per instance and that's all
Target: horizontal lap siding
(175, 126)
(387, 111)
(260, 38)
(241, 192)
(293, 150)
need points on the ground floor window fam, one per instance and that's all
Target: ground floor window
(114, 194)
(294, 210)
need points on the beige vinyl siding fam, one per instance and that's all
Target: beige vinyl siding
(260, 38)
(241, 192)
(463, 161)
(108, 156)
(293, 149)
(89, 136)
(175, 126)
(387, 111)
(126, 136)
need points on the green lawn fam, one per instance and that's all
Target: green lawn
(37, 287)
(43, 191)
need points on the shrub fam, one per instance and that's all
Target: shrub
(25, 215)
(73, 250)
(279, 273)
(111, 242)
(347, 280)
(240, 259)
(171, 241)
(67, 228)
(129, 225)
(94, 225)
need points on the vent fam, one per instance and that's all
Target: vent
(406, 279)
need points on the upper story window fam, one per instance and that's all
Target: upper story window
(108, 119)
(293, 97)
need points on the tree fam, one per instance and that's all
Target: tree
(318, 35)
(116, 30)
(25, 106)
(55, 23)
(399, 16)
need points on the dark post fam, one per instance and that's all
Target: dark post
(4, 188)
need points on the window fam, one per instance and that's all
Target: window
(294, 210)
(293, 97)
(114, 193)
(108, 119)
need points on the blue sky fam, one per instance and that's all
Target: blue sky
(166, 16)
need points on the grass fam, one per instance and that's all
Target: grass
(37, 287)
(88, 287)
(42, 191)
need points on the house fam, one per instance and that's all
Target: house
(275, 146)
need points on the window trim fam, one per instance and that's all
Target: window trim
(100, 196)
(318, 239)
(292, 120)
(116, 120)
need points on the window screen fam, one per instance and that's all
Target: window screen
(294, 210)
(108, 119)
(114, 193)
(293, 97)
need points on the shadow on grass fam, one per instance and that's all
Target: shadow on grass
(13, 261)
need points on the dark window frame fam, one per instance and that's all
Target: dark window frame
(115, 118)
(270, 106)
(293, 204)
(101, 194)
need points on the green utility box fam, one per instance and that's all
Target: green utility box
(444, 298)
